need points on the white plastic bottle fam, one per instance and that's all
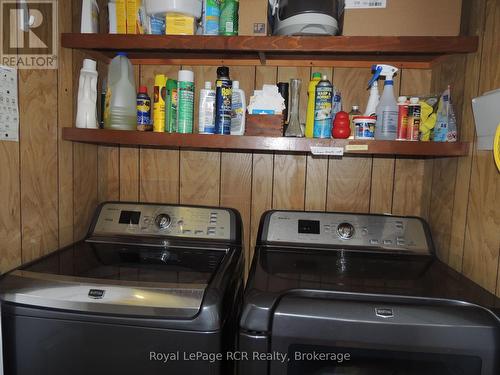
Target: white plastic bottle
(239, 108)
(90, 17)
(371, 107)
(206, 122)
(86, 113)
(121, 97)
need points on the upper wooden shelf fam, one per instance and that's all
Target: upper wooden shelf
(348, 51)
(250, 143)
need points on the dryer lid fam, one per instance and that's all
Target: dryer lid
(117, 279)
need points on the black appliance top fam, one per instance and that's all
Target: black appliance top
(284, 266)
(139, 260)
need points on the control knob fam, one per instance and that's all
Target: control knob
(345, 231)
(163, 221)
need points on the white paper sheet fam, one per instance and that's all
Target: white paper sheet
(9, 104)
(365, 4)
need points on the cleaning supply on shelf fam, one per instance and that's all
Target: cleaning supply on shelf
(373, 100)
(90, 17)
(121, 97)
(323, 107)
(185, 101)
(112, 22)
(159, 103)
(239, 108)
(267, 101)
(446, 124)
(144, 110)
(402, 118)
(136, 17)
(159, 8)
(341, 126)
(179, 24)
(229, 17)
(156, 25)
(223, 101)
(414, 111)
(311, 102)
(211, 17)
(102, 100)
(206, 122)
(428, 118)
(337, 102)
(284, 90)
(364, 127)
(387, 109)
(86, 114)
(171, 106)
(121, 16)
(354, 113)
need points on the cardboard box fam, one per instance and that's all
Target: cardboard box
(253, 17)
(134, 25)
(121, 16)
(406, 18)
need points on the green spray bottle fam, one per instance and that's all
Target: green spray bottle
(229, 17)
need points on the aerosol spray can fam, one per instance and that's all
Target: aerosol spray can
(414, 119)
(223, 101)
(323, 115)
(185, 101)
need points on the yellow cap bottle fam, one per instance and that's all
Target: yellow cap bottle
(311, 91)
(159, 103)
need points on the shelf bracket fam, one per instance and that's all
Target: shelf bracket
(262, 58)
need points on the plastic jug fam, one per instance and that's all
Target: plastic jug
(121, 112)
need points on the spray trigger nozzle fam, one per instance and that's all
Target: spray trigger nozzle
(387, 71)
(377, 69)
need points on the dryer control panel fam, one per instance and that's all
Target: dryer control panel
(352, 231)
(163, 220)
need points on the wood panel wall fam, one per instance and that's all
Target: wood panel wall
(465, 213)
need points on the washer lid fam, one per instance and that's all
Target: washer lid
(117, 279)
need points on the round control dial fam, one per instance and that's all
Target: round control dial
(163, 221)
(345, 231)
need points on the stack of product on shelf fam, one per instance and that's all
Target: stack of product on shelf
(222, 110)
(170, 17)
(422, 118)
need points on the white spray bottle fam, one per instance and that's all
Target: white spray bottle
(387, 109)
(371, 107)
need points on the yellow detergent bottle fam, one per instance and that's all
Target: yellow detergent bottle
(311, 91)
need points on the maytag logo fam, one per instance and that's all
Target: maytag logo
(29, 37)
(96, 293)
(384, 312)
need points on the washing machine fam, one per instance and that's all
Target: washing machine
(337, 293)
(152, 289)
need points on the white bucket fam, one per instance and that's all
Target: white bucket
(161, 7)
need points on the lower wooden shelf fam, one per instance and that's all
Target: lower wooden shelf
(251, 143)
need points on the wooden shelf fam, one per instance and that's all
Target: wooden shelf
(249, 143)
(348, 51)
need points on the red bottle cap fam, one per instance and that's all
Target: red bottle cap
(143, 90)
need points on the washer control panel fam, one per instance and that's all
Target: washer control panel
(363, 232)
(163, 220)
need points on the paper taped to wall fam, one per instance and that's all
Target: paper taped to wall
(9, 107)
(365, 4)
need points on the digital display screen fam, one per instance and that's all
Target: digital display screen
(130, 217)
(309, 226)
